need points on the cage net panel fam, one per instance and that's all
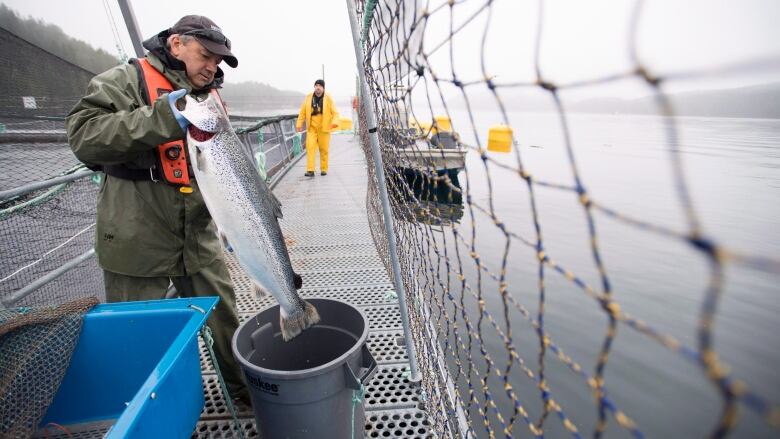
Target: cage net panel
(41, 231)
(490, 359)
(272, 141)
(36, 345)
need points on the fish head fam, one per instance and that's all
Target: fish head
(206, 114)
(207, 118)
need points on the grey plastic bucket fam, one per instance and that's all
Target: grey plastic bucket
(308, 387)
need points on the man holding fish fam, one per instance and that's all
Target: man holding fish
(166, 167)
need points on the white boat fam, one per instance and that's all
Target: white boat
(427, 155)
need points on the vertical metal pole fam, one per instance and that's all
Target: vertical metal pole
(380, 176)
(355, 112)
(132, 27)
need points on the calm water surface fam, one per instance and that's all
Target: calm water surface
(732, 167)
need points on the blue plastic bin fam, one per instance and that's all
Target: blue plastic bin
(136, 363)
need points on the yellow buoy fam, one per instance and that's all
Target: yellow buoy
(500, 138)
(443, 124)
(345, 124)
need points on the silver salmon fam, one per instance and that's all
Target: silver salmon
(242, 206)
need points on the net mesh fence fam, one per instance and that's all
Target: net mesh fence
(43, 229)
(272, 141)
(522, 333)
(36, 345)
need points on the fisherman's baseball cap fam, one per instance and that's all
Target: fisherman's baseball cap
(208, 34)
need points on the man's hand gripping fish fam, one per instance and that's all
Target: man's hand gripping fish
(240, 203)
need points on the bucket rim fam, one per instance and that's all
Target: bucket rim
(286, 375)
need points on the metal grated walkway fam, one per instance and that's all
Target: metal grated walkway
(327, 233)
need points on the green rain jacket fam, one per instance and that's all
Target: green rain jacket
(144, 228)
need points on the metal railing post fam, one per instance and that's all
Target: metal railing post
(386, 213)
(45, 279)
(38, 185)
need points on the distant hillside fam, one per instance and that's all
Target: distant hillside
(251, 96)
(254, 89)
(51, 38)
(41, 74)
(762, 101)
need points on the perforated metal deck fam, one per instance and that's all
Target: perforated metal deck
(326, 229)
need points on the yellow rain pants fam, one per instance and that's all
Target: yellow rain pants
(317, 139)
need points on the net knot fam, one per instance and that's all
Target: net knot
(704, 244)
(549, 86)
(655, 81)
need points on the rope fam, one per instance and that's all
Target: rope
(296, 148)
(205, 332)
(41, 258)
(357, 400)
(42, 197)
(115, 33)
(38, 199)
(367, 17)
(260, 162)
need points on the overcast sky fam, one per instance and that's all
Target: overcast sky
(285, 42)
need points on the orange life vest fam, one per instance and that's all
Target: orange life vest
(171, 156)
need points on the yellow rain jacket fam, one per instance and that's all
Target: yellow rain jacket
(329, 113)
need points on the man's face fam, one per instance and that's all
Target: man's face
(319, 90)
(201, 64)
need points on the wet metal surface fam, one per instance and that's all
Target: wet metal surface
(326, 229)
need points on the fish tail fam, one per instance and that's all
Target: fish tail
(295, 323)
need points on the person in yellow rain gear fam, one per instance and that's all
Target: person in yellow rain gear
(320, 114)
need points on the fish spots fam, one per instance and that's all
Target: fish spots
(240, 204)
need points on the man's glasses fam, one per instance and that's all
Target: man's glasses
(212, 35)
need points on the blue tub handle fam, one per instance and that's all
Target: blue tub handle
(367, 369)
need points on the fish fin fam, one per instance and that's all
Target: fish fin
(258, 289)
(277, 205)
(225, 243)
(294, 324)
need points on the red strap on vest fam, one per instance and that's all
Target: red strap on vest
(172, 156)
